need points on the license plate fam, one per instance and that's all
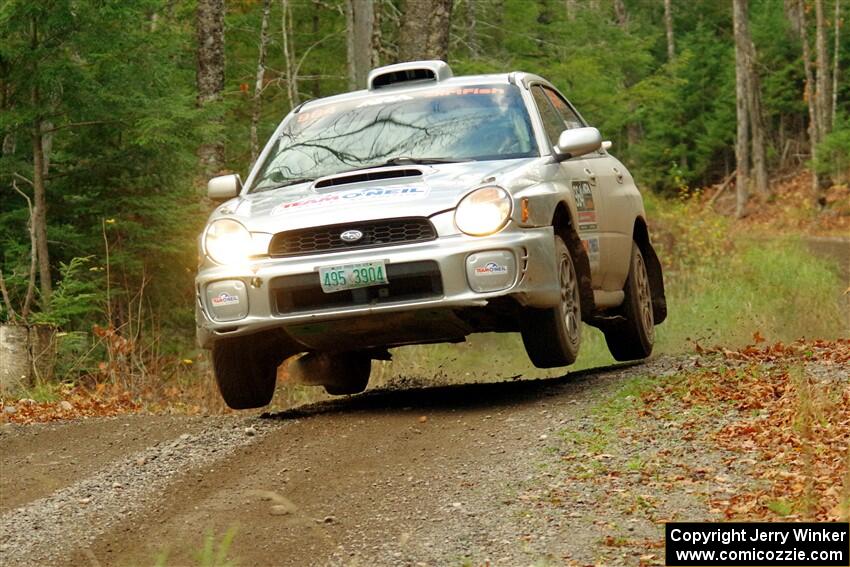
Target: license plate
(352, 276)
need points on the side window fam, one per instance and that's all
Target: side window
(552, 122)
(571, 120)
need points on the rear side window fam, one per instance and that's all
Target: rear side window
(570, 118)
(553, 124)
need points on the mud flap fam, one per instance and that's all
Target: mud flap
(656, 282)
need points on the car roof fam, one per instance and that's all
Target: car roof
(401, 88)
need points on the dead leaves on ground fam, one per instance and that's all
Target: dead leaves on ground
(793, 425)
(101, 401)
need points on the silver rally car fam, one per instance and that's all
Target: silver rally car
(422, 209)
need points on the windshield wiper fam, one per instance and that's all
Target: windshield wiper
(401, 160)
(284, 184)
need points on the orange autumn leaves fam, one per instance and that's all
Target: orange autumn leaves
(793, 428)
(101, 401)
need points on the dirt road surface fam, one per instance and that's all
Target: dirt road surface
(433, 476)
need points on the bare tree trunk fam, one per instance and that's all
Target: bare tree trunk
(668, 25)
(570, 6)
(759, 157)
(317, 81)
(425, 30)
(351, 62)
(620, 13)
(25, 309)
(472, 28)
(9, 142)
(360, 19)
(39, 213)
(258, 85)
(742, 144)
(39, 210)
(809, 95)
(377, 38)
(822, 63)
(289, 54)
(837, 27)
(210, 73)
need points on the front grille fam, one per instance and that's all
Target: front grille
(322, 239)
(408, 281)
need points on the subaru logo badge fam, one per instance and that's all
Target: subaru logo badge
(351, 236)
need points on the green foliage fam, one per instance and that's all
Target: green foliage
(834, 152)
(78, 297)
(722, 287)
(115, 94)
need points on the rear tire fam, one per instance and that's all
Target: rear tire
(634, 338)
(246, 370)
(552, 336)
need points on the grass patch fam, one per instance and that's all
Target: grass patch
(776, 288)
(213, 553)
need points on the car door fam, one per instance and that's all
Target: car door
(606, 177)
(579, 178)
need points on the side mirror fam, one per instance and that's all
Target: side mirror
(577, 142)
(224, 187)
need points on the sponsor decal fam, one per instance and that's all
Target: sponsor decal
(384, 100)
(491, 269)
(223, 299)
(584, 196)
(591, 246)
(313, 115)
(586, 216)
(357, 196)
(584, 205)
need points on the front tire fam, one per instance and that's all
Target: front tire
(246, 370)
(552, 336)
(633, 338)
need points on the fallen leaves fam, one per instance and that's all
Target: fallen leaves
(76, 402)
(797, 425)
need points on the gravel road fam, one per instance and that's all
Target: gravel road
(510, 473)
(425, 476)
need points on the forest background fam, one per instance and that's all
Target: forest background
(114, 114)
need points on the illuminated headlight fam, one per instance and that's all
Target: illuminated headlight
(227, 242)
(484, 211)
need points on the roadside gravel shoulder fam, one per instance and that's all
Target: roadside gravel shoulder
(38, 459)
(47, 530)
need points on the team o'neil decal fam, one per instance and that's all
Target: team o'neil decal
(371, 195)
(491, 269)
(223, 299)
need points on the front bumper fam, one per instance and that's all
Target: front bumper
(533, 281)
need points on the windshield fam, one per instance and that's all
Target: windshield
(434, 124)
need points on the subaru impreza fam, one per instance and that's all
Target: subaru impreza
(422, 209)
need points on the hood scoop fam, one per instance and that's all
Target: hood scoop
(333, 181)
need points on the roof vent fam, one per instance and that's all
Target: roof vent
(410, 72)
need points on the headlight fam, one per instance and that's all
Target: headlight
(484, 211)
(227, 242)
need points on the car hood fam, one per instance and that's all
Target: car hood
(439, 188)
